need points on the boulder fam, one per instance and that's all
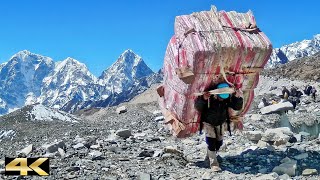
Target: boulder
(121, 109)
(78, 146)
(124, 133)
(278, 135)
(309, 172)
(27, 150)
(280, 107)
(253, 135)
(51, 148)
(288, 168)
(144, 176)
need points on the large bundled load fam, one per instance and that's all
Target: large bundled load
(210, 46)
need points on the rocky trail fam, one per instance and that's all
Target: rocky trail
(135, 144)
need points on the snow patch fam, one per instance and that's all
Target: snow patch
(42, 113)
(7, 134)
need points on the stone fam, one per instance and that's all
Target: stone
(137, 135)
(95, 146)
(309, 172)
(253, 135)
(157, 153)
(262, 145)
(284, 177)
(157, 112)
(2, 171)
(172, 150)
(280, 107)
(263, 170)
(61, 152)
(286, 168)
(73, 168)
(27, 150)
(159, 118)
(78, 146)
(146, 153)
(278, 135)
(144, 176)
(256, 117)
(271, 176)
(301, 156)
(124, 133)
(95, 154)
(207, 176)
(51, 148)
(121, 109)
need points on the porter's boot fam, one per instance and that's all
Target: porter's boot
(214, 164)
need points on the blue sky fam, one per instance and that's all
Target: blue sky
(96, 32)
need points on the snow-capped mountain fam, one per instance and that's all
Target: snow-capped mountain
(295, 50)
(21, 79)
(68, 85)
(70, 79)
(125, 71)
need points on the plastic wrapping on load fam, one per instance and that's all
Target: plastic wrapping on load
(214, 46)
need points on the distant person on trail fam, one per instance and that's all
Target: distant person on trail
(285, 93)
(214, 117)
(293, 91)
(294, 101)
(307, 90)
(313, 93)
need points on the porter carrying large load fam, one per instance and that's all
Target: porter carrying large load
(210, 46)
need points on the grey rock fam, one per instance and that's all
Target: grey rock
(27, 150)
(124, 133)
(280, 107)
(78, 146)
(121, 109)
(284, 177)
(146, 153)
(144, 176)
(94, 146)
(159, 118)
(278, 135)
(286, 168)
(51, 148)
(253, 135)
(301, 156)
(73, 168)
(61, 152)
(271, 176)
(309, 172)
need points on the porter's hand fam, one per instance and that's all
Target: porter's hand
(206, 95)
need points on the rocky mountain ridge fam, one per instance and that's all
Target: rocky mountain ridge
(29, 78)
(294, 51)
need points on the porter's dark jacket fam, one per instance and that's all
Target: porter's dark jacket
(216, 114)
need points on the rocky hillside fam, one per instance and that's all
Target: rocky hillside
(307, 69)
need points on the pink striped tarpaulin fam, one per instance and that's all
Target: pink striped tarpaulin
(219, 39)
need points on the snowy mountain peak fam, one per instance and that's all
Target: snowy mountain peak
(128, 68)
(129, 57)
(295, 50)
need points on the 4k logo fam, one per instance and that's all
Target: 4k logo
(27, 166)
